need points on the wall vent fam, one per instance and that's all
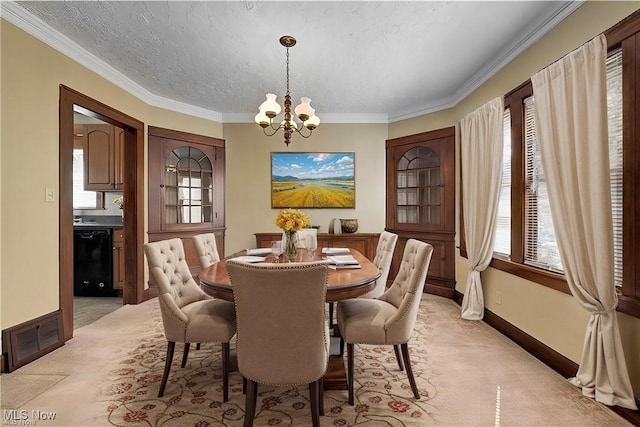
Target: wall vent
(32, 339)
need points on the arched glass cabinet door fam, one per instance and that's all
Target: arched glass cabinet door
(188, 197)
(418, 187)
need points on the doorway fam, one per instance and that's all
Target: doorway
(133, 190)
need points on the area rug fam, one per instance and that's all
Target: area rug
(193, 395)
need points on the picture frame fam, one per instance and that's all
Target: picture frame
(313, 180)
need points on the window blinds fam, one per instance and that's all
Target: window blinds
(614, 113)
(541, 247)
(502, 242)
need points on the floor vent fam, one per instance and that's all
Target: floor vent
(30, 340)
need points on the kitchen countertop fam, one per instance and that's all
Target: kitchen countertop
(90, 225)
(97, 221)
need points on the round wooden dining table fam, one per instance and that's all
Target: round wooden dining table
(342, 283)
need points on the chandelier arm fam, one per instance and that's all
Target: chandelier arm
(302, 134)
(275, 130)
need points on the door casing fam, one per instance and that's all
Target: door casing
(133, 192)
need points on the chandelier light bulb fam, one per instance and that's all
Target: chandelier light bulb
(312, 122)
(270, 107)
(262, 119)
(304, 110)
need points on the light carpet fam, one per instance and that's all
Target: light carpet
(468, 374)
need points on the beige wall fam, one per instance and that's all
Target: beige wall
(549, 316)
(31, 73)
(248, 153)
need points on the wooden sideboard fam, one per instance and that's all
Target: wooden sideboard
(365, 243)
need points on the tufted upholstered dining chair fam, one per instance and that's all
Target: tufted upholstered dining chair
(391, 317)
(188, 314)
(282, 335)
(206, 249)
(384, 255)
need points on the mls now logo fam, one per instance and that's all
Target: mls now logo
(23, 417)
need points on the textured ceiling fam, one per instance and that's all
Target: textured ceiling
(378, 59)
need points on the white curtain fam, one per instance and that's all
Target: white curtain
(481, 134)
(571, 126)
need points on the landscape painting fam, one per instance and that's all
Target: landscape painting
(313, 180)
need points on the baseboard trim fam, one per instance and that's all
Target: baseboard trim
(556, 361)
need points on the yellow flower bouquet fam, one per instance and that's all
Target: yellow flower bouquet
(290, 221)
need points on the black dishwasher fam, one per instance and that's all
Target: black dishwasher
(92, 262)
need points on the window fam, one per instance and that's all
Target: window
(541, 248)
(82, 199)
(525, 238)
(614, 113)
(502, 246)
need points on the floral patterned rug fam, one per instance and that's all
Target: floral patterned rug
(193, 395)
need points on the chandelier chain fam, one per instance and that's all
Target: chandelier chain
(287, 71)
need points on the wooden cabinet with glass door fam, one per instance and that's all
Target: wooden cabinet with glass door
(186, 188)
(421, 201)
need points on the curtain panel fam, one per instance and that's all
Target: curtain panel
(571, 126)
(481, 134)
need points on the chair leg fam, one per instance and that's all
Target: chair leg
(407, 364)
(350, 371)
(396, 349)
(167, 366)
(321, 395)
(244, 385)
(225, 371)
(341, 346)
(330, 315)
(198, 346)
(250, 403)
(185, 354)
(313, 397)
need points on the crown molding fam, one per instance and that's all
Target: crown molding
(421, 110)
(31, 24)
(534, 33)
(11, 12)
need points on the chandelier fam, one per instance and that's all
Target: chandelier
(270, 108)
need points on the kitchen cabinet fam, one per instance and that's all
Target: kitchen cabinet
(104, 158)
(118, 258)
(421, 201)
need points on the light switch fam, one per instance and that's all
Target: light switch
(49, 195)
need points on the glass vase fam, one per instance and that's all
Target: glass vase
(290, 250)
